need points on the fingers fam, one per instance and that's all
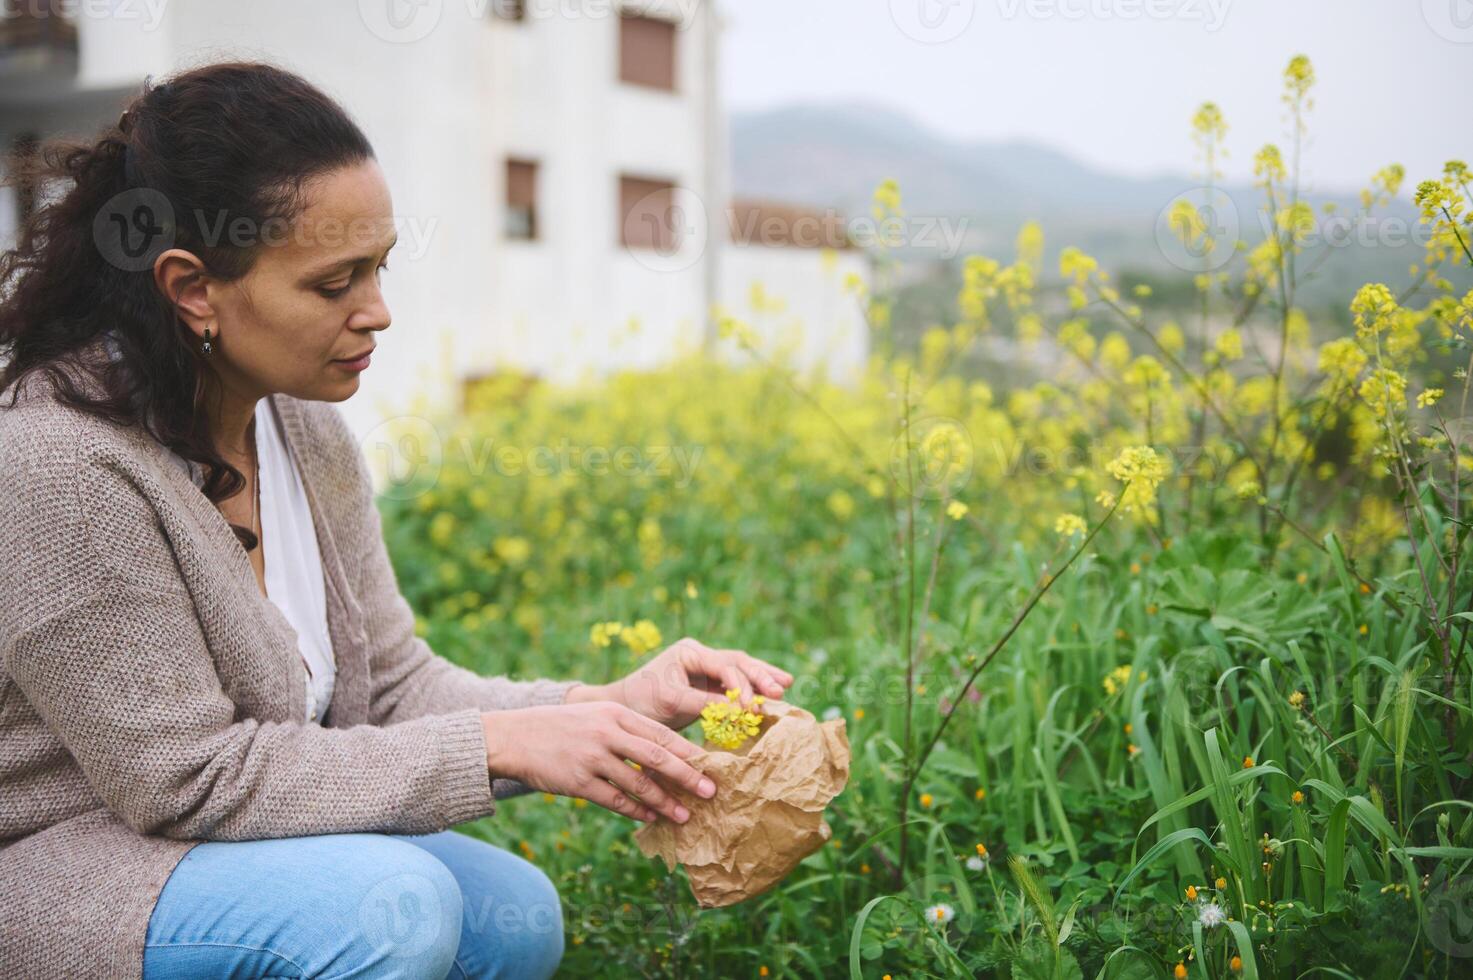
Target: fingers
(612, 798)
(688, 701)
(720, 665)
(659, 750)
(740, 670)
(768, 679)
(639, 783)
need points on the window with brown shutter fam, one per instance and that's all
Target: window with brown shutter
(647, 51)
(647, 211)
(521, 199)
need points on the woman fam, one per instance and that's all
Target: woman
(223, 749)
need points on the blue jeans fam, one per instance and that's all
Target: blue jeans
(361, 906)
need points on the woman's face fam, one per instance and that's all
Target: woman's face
(312, 300)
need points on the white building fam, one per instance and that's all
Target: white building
(558, 167)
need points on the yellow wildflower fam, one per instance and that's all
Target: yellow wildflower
(841, 505)
(1142, 471)
(1068, 525)
(726, 724)
(1429, 397)
(1116, 679)
(603, 633)
(640, 638)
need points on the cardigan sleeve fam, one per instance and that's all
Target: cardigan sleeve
(124, 681)
(409, 680)
(111, 654)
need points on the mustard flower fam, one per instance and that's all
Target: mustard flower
(1142, 471)
(1075, 265)
(841, 505)
(956, 510)
(1116, 679)
(1208, 122)
(1429, 397)
(1069, 525)
(512, 550)
(640, 638)
(1268, 164)
(1298, 77)
(1384, 391)
(1229, 345)
(1372, 309)
(602, 634)
(726, 724)
(1342, 359)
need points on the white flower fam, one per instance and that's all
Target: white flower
(1211, 914)
(975, 863)
(831, 712)
(940, 914)
(818, 655)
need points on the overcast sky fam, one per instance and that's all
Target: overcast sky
(1115, 82)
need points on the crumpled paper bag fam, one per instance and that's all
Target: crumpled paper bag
(767, 814)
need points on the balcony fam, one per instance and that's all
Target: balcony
(38, 47)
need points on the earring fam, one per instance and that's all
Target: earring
(206, 347)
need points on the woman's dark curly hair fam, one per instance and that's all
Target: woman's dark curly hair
(187, 161)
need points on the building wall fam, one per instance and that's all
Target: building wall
(563, 303)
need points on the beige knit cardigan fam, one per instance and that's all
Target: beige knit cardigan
(151, 697)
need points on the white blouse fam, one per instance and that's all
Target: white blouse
(294, 579)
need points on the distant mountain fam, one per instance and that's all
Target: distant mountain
(833, 156)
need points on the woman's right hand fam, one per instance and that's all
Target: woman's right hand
(579, 750)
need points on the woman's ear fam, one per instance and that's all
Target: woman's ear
(181, 277)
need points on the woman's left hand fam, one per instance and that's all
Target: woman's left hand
(688, 675)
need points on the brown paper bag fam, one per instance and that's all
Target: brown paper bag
(767, 814)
